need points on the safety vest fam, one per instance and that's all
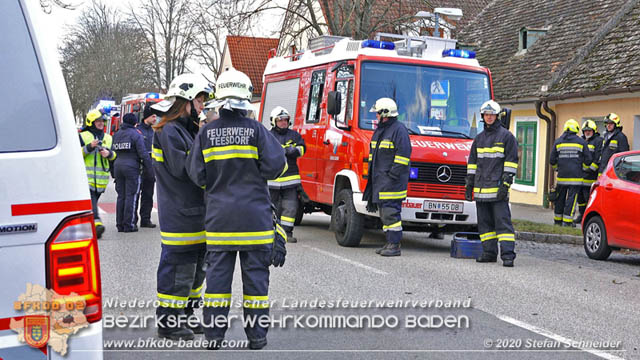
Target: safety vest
(97, 167)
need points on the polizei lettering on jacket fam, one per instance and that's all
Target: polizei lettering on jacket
(18, 228)
(230, 136)
(122, 146)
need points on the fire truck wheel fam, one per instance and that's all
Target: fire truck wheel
(299, 213)
(346, 222)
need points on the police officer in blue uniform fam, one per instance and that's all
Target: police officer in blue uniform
(389, 154)
(569, 156)
(180, 208)
(129, 143)
(148, 177)
(492, 164)
(233, 157)
(284, 190)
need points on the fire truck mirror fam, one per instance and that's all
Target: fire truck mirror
(334, 103)
(505, 117)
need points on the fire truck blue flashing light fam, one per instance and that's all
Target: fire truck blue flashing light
(413, 173)
(152, 96)
(376, 44)
(465, 54)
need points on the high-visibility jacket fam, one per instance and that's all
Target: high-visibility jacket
(569, 156)
(389, 158)
(494, 152)
(233, 157)
(590, 174)
(97, 166)
(613, 143)
(289, 139)
(180, 201)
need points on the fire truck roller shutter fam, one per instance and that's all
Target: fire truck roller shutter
(280, 93)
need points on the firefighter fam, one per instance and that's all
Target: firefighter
(129, 143)
(590, 174)
(180, 207)
(614, 141)
(570, 154)
(232, 158)
(389, 154)
(284, 190)
(96, 149)
(148, 178)
(492, 164)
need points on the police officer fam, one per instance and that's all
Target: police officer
(590, 174)
(233, 157)
(389, 154)
(615, 140)
(96, 149)
(180, 207)
(570, 154)
(284, 190)
(492, 164)
(129, 144)
(148, 177)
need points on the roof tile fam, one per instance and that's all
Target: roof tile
(250, 55)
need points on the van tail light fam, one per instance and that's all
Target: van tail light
(73, 264)
(594, 186)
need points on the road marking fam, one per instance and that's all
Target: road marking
(556, 337)
(352, 262)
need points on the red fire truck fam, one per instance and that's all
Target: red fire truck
(135, 103)
(329, 90)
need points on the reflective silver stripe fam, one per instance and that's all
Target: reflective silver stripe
(490, 155)
(510, 170)
(485, 195)
(564, 182)
(101, 177)
(471, 171)
(284, 183)
(286, 223)
(217, 300)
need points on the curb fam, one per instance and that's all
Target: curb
(549, 238)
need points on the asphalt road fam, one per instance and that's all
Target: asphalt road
(554, 296)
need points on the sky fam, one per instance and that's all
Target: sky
(58, 22)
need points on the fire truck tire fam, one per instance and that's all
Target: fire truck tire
(346, 222)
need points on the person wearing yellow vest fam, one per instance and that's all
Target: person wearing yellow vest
(96, 149)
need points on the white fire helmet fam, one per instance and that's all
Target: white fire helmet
(279, 112)
(187, 86)
(490, 107)
(233, 84)
(386, 107)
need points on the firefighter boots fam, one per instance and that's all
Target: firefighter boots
(391, 250)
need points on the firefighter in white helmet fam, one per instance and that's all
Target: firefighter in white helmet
(284, 190)
(389, 154)
(180, 207)
(492, 164)
(232, 158)
(569, 157)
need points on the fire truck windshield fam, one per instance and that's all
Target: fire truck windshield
(431, 101)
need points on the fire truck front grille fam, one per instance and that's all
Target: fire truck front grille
(439, 174)
(435, 191)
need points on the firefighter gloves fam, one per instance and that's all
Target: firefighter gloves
(279, 251)
(468, 191)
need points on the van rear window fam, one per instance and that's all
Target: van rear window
(26, 121)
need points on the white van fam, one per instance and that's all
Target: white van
(47, 236)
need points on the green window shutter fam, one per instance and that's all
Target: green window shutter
(527, 139)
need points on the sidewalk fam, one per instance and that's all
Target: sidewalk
(533, 213)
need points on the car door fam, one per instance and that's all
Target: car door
(622, 196)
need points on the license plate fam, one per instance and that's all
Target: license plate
(443, 206)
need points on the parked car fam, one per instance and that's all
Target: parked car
(47, 235)
(612, 220)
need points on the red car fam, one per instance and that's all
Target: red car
(612, 217)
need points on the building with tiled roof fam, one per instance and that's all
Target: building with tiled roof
(555, 60)
(249, 55)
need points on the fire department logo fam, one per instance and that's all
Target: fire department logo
(36, 330)
(443, 173)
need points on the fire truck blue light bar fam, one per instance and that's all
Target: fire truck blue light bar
(376, 44)
(465, 54)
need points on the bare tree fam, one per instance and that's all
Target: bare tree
(47, 5)
(103, 56)
(216, 19)
(168, 30)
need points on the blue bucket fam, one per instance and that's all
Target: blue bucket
(466, 245)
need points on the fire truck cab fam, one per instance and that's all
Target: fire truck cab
(135, 103)
(329, 90)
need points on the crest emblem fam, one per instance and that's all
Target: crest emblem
(36, 330)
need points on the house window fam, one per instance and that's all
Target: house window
(315, 96)
(527, 140)
(344, 85)
(528, 36)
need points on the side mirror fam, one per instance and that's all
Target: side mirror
(334, 103)
(505, 117)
